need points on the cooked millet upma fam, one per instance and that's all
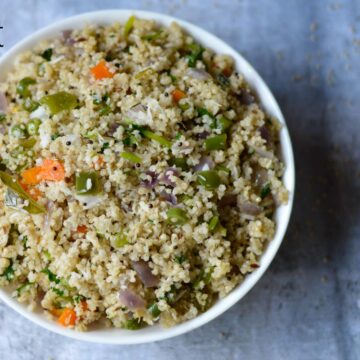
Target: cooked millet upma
(139, 176)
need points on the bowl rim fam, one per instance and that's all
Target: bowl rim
(155, 333)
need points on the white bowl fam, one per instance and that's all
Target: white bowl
(120, 336)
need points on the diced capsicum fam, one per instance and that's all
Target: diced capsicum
(59, 102)
(87, 183)
(209, 179)
(217, 142)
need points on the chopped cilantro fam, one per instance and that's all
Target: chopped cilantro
(47, 54)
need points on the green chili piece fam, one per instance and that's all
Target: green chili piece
(23, 87)
(209, 179)
(216, 142)
(17, 191)
(47, 54)
(265, 191)
(131, 157)
(59, 102)
(30, 105)
(87, 183)
(32, 126)
(129, 26)
(158, 138)
(153, 36)
(2, 117)
(132, 324)
(177, 216)
(153, 309)
(18, 131)
(120, 240)
(213, 223)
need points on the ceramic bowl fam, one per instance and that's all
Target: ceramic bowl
(154, 333)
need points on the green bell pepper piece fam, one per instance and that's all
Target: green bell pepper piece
(59, 102)
(120, 240)
(87, 183)
(209, 179)
(177, 216)
(216, 142)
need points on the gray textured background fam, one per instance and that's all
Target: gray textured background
(307, 306)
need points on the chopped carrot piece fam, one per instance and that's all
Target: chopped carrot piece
(56, 312)
(31, 176)
(82, 229)
(67, 317)
(100, 160)
(35, 193)
(101, 71)
(84, 305)
(227, 71)
(50, 170)
(177, 95)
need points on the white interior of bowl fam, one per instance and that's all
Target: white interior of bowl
(119, 336)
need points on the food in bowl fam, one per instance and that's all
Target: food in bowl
(139, 176)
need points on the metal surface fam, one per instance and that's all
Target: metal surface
(307, 306)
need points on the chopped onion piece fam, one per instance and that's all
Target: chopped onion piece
(199, 74)
(131, 300)
(142, 268)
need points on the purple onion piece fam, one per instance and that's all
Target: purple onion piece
(112, 129)
(131, 300)
(170, 198)
(203, 135)
(50, 209)
(143, 270)
(169, 172)
(250, 209)
(152, 182)
(266, 135)
(246, 98)
(68, 39)
(198, 74)
(206, 163)
(138, 113)
(259, 176)
(228, 200)
(3, 103)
